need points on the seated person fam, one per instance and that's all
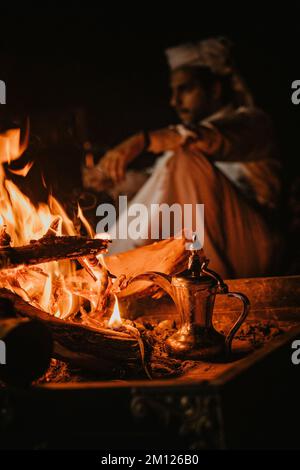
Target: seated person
(222, 155)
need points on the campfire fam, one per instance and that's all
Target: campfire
(55, 286)
(54, 274)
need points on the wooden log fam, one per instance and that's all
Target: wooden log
(97, 349)
(100, 275)
(167, 256)
(50, 248)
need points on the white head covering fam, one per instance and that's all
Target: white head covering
(215, 54)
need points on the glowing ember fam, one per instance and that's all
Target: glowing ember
(115, 319)
(55, 287)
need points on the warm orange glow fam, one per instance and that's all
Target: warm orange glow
(11, 148)
(85, 223)
(89, 160)
(100, 257)
(55, 287)
(115, 319)
(22, 171)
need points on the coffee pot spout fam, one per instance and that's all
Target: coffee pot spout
(164, 281)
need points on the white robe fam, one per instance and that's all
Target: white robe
(238, 241)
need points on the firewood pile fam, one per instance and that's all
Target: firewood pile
(85, 339)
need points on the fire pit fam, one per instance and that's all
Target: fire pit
(64, 281)
(246, 402)
(109, 361)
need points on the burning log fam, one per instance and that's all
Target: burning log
(100, 275)
(96, 349)
(53, 229)
(50, 248)
(86, 343)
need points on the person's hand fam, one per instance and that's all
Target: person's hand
(165, 139)
(115, 161)
(209, 141)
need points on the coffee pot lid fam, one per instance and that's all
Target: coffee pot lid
(196, 272)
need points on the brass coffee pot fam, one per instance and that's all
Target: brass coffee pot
(193, 292)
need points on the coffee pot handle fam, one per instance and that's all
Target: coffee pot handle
(239, 321)
(223, 290)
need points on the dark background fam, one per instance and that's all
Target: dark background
(54, 64)
(60, 66)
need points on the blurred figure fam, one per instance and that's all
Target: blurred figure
(222, 155)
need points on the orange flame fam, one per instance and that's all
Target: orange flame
(55, 287)
(22, 171)
(10, 146)
(85, 223)
(115, 319)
